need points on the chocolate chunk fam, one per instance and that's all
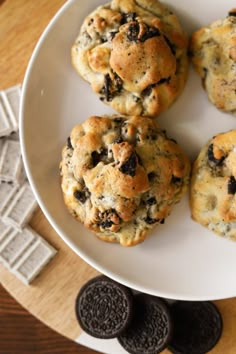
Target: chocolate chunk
(205, 70)
(127, 17)
(212, 158)
(119, 124)
(151, 328)
(151, 176)
(108, 218)
(151, 136)
(232, 13)
(98, 156)
(129, 166)
(83, 195)
(118, 82)
(104, 39)
(69, 145)
(104, 308)
(150, 33)
(107, 86)
(151, 201)
(133, 31)
(139, 160)
(119, 120)
(106, 224)
(190, 53)
(148, 220)
(164, 133)
(95, 158)
(174, 141)
(175, 179)
(232, 185)
(90, 22)
(112, 34)
(170, 45)
(148, 90)
(111, 88)
(164, 80)
(197, 327)
(136, 99)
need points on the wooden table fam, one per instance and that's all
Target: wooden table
(21, 23)
(22, 333)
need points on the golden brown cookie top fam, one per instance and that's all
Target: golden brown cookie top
(213, 185)
(121, 176)
(133, 53)
(213, 53)
(140, 62)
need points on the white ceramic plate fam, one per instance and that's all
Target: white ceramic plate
(181, 259)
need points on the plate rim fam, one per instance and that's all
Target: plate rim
(47, 214)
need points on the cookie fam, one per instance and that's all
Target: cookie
(104, 308)
(133, 54)
(151, 328)
(197, 327)
(121, 176)
(213, 185)
(213, 54)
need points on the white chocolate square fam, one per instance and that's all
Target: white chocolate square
(11, 99)
(21, 208)
(7, 192)
(34, 260)
(10, 161)
(5, 125)
(14, 245)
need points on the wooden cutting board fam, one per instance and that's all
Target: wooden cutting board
(51, 296)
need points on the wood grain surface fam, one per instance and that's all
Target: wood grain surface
(21, 24)
(21, 333)
(51, 296)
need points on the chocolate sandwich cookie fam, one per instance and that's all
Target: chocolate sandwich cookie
(197, 327)
(104, 307)
(151, 328)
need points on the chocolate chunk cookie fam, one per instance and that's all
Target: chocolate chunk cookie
(213, 53)
(213, 185)
(133, 53)
(121, 176)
